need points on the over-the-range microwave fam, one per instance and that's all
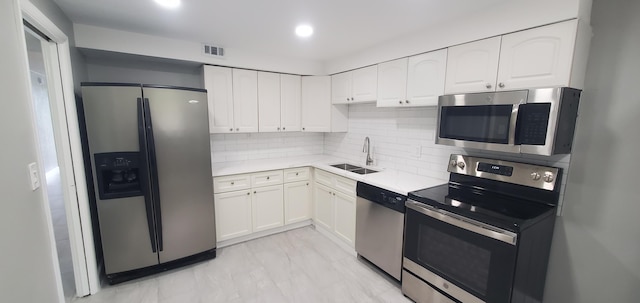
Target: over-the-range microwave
(534, 121)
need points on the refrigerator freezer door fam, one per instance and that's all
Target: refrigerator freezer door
(112, 126)
(183, 162)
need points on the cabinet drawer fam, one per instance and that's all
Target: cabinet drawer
(323, 177)
(345, 185)
(231, 183)
(266, 178)
(296, 174)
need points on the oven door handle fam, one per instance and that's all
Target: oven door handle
(464, 223)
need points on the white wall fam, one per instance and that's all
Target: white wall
(240, 147)
(495, 20)
(93, 37)
(139, 69)
(26, 256)
(595, 255)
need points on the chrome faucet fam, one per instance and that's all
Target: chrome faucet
(365, 149)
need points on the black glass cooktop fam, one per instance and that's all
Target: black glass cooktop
(504, 211)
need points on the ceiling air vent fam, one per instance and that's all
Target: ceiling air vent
(212, 50)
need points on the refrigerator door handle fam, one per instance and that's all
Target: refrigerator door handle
(154, 172)
(148, 202)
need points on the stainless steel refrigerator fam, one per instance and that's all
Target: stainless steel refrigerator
(150, 157)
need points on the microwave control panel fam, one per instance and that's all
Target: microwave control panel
(533, 120)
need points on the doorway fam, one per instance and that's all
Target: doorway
(41, 93)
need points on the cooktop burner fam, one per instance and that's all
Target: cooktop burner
(504, 194)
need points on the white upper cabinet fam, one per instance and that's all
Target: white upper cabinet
(355, 86)
(547, 56)
(219, 84)
(233, 99)
(392, 82)
(425, 79)
(539, 57)
(318, 114)
(290, 110)
(413, 81)
(268, 102)
(472, 67)
(245, 100)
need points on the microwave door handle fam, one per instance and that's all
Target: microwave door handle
(513, 125)
(464, 223)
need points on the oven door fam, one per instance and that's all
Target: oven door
(483, 121)
(468, 260)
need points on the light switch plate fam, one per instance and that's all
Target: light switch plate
(33, 174)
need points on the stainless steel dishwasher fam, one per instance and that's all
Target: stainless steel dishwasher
(379, 227)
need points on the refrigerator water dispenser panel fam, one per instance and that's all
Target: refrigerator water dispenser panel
(119, 175)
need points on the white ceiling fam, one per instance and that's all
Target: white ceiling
(342, 27)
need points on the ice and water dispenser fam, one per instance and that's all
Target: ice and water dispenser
(119, 175)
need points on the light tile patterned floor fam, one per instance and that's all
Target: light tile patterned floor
(295, 266)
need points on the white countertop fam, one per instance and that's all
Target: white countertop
(389, 179)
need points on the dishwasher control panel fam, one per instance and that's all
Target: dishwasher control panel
(381, 196)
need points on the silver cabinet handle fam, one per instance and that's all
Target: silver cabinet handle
(464, 223)
(501, 85)
(488, 86)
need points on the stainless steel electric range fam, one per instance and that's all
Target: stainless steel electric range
(483, 237)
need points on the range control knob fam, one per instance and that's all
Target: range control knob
(453, 163)
(548, 177)
(535, 176)
(461, 165)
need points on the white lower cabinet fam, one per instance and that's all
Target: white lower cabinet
(267, 207)
(345, 217)
(324, 202)
(297, 202)
(335, 205)
(261, 201)
(233, 214)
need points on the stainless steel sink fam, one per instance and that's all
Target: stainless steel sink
(363, 171)
(346, 166)
(354, 168)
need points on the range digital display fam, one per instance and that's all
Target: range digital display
(495, 169)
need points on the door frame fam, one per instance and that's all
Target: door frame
(70, 157)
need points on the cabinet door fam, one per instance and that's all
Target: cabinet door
(345, 217)
(539, 57)
(268, 102)
(297, 202)
(341, 88)
(316, 103)
(245, 100)
(472, 67)
(233, 214)
(425, 79)
(364, 84)
(219, 84)
(267, 207)
(290, 103)
(392, 83)
(323, 200)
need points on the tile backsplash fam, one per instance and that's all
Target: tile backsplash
(404, 139)
(401, 139)
(253, 146)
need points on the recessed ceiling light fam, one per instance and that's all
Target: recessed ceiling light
(304, 30)
(168, 3)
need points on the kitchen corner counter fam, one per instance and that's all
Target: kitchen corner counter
(389, 179)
